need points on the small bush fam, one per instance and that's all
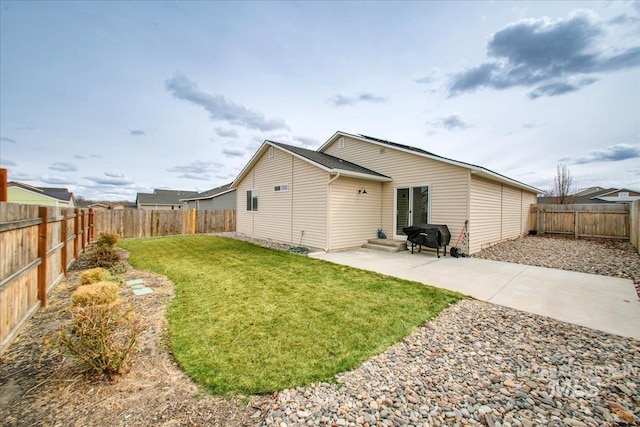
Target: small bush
(96, 293)
(107, 239)
(103, 256)
(119, 268)
(94, 275)
(101, 338)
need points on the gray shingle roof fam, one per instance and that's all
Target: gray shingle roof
(209, 193)
(164, 197)
(327, 160)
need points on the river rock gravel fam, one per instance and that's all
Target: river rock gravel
(480, 364)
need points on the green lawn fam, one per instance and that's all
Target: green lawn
(252, 320)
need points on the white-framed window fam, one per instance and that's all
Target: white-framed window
(252, 200)
(270, 152)
(341, 143)
(281, 188)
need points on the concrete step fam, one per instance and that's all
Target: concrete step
(384, 247)
(388, 242)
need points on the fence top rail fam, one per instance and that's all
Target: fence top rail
(23, 223)
(596, 207)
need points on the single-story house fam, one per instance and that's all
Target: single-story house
(162, 199)
(338, 196)
(219, 198)
(596, 195)
(18, 192)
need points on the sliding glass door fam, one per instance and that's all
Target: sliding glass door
(412, 207)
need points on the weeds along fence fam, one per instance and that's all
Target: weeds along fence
(142, 223)
(611, 221)
(37, 246)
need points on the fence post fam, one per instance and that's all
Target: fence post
(575, 224)
(76, 244)
(63, 237)
(84, 229)
(3, 185)
(90, 237)
(43, 212)
(193, 221)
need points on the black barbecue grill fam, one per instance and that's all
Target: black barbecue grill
(433, 236)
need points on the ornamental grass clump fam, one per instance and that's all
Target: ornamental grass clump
(95, 294)
(94, 275)
(103, 333)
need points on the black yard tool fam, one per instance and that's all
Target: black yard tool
(456, 250)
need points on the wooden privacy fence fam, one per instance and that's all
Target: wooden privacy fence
(142, 223)
(598, 220)
(37, 246)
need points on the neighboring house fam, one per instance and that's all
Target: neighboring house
(18, 192)
(597, 195)
(163, 199)
(339, 196)
(219, 198)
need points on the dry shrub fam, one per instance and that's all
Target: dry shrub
(95, 294)
(107, 239)
(103, 256)
(94, 275)
(101, 338)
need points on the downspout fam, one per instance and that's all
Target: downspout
(329, 210)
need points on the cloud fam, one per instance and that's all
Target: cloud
(4, 138)
(181, 87)
(7, 162)
(227, 133)
(20, 176)
(114, 175)
(526, 126)
(340, 100)
(433, 76)
(452, 122)
(306, 140)
(95, 156)
(233, 152)
(63, 167)
(79, 156)
(136, 132)
(553, 57)
(55, 180)
(613, 153)
(110, 179)
(196, 170)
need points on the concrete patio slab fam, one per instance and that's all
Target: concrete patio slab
(607, 304)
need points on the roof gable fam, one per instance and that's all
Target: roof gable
(163, 197)
(324, 161)
(475, 169)
(56, 193)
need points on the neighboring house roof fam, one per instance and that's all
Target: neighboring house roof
(595, 195)
(210, 194)
(62, 194)
(163, 197)
(324, 161)
(475, 169)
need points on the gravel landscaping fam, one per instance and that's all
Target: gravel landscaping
(482, 364)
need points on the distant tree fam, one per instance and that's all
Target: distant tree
(563, 188)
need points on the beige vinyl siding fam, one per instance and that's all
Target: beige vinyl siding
(449, 184)
(353, 218)
(511, 212)
(309, 208)
(484, 224)
(273, 218)
(498, 212)
(528, 199)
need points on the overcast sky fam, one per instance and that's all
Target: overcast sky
(114, 98)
